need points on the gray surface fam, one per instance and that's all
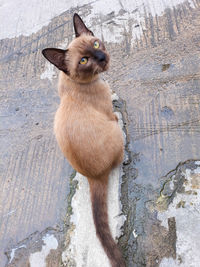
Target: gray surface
(34, 173)
(156, 74)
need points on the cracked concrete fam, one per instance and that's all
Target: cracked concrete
(154, 47)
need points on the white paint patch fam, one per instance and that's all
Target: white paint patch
(49, 72)
(114, 96)
(17, 17)
(85, 248)
(129, 16)
(38, 259)
(187, 216)
(134, 233)
(12, 254)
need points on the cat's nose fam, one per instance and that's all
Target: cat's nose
(100, 56)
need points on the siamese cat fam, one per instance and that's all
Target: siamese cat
(85, 126)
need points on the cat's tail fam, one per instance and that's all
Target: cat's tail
(98, 191)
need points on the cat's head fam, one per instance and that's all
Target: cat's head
(85, 56)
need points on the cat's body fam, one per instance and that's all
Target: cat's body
(85, 126)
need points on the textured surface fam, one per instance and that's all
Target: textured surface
(155, 52)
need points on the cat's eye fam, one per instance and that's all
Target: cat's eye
(83, 60)
(96, 44)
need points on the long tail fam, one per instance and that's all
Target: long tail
(98, 191)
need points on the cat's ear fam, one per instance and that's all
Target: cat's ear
(80, 27)
(57, 57)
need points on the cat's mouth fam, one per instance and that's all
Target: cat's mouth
(102, 61)
(105, 66)
(101, 67)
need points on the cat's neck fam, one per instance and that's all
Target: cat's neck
(67, 85)
(81, 83)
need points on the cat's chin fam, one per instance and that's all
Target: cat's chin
(107, 64)
(83, 79)
(106, 67)
(103, 67)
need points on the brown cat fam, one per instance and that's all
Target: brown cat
(85, 126)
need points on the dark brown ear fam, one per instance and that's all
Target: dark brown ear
(56, 57)
(80, 27)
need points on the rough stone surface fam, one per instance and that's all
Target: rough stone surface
(155, 52)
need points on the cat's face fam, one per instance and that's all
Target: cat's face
(85, 56)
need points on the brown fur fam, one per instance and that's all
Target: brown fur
(86, 127)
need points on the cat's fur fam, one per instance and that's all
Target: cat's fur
(85, 126)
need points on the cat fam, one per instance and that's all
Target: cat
(85, 126)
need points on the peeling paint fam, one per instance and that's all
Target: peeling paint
(12, 254)
(39, 258)
(49, 72)
(185, 209)
(27, 20)
(114, 97)
(40, 249)
(134, 233)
